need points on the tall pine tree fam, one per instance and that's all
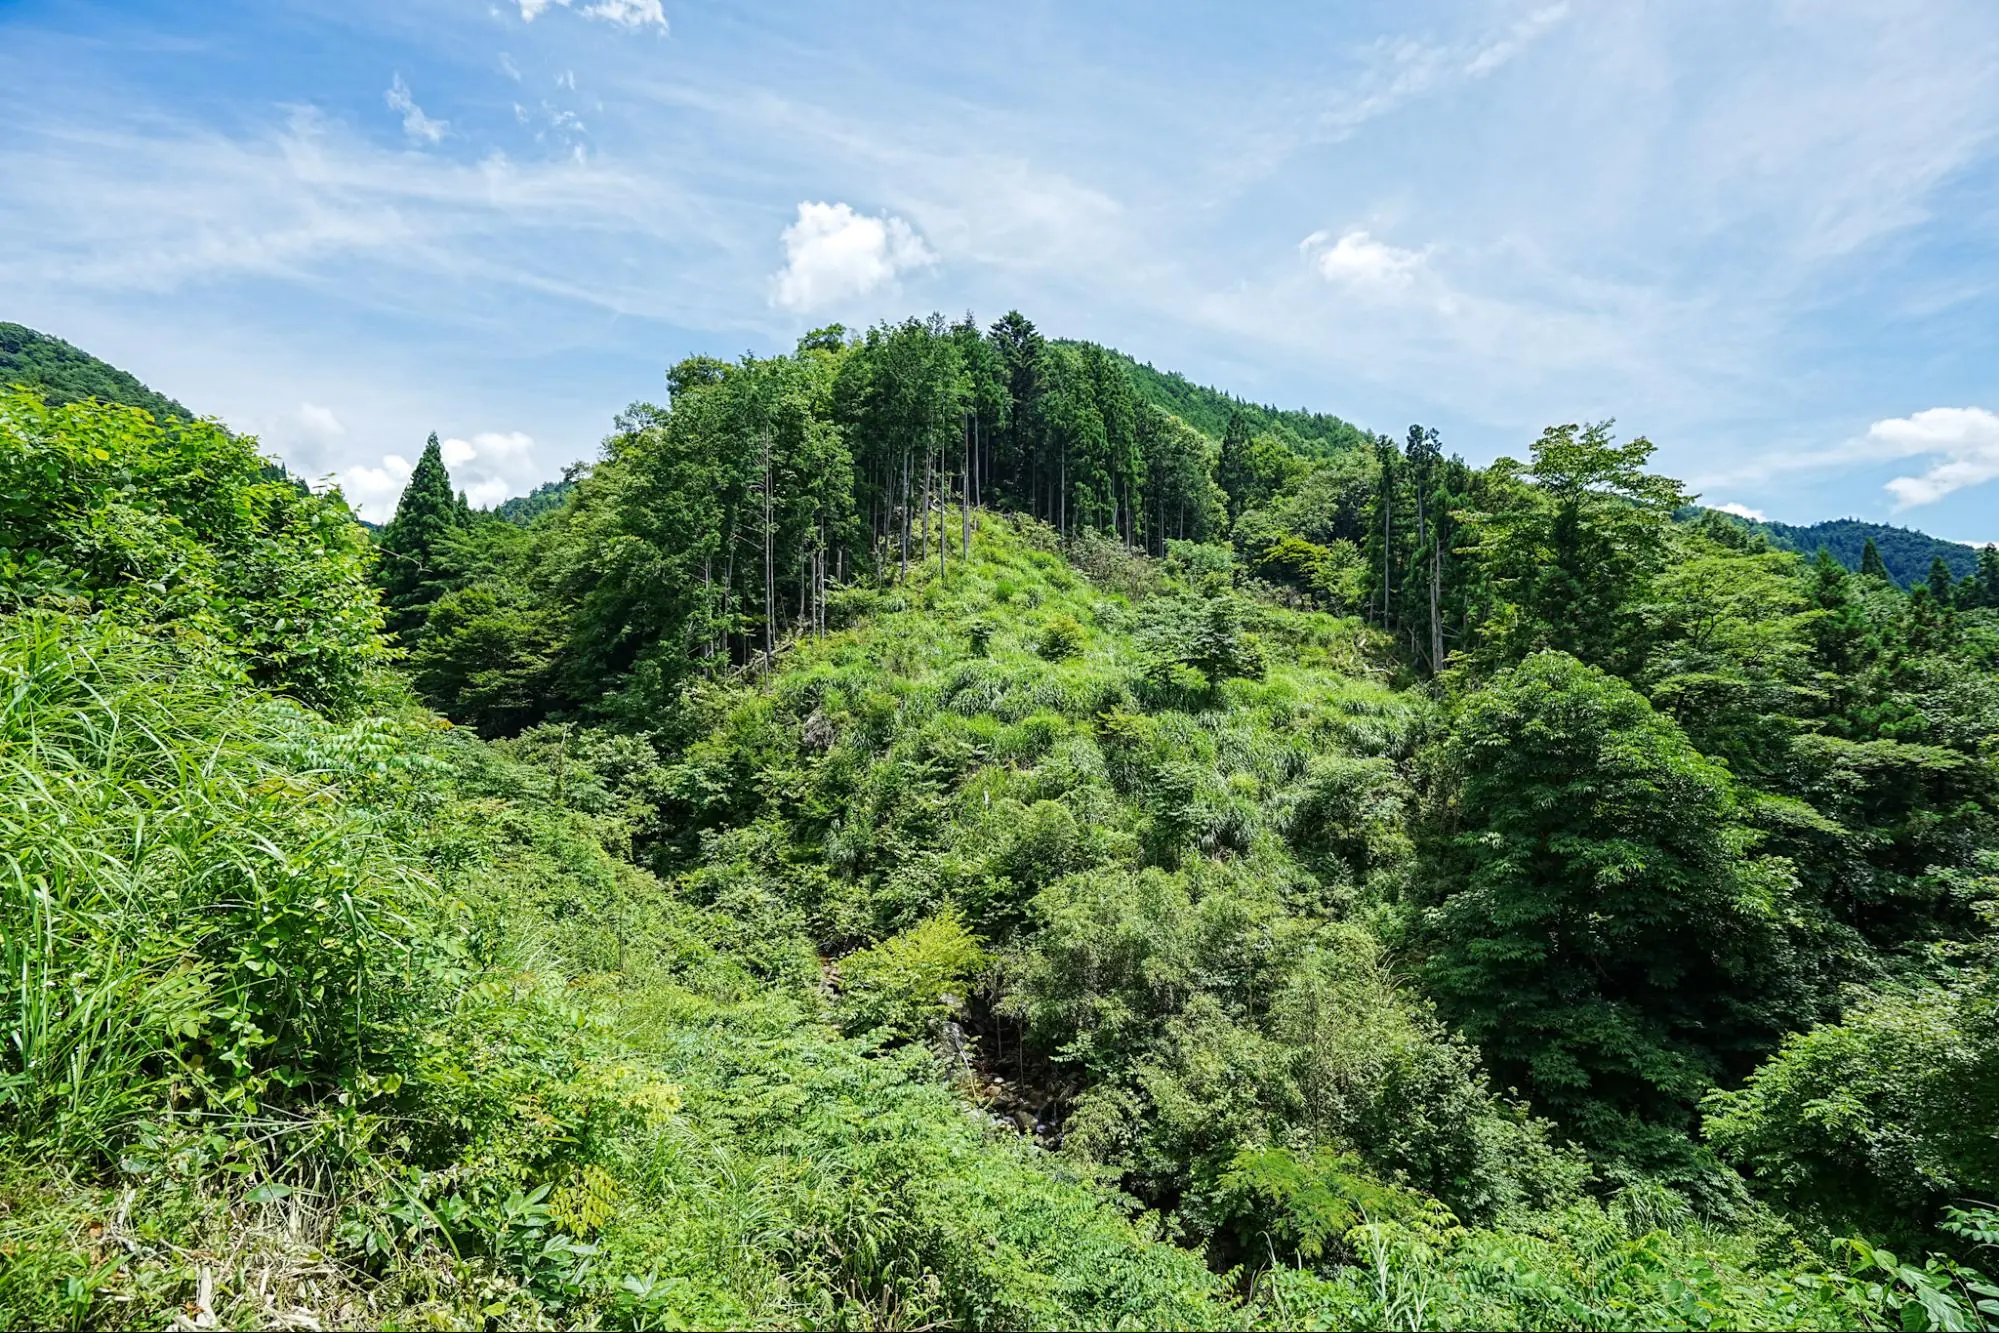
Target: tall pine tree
(408, 573)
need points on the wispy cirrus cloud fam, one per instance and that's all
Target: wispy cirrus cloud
(419, 127)
(622, 13)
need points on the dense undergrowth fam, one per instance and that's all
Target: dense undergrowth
(1061, 938)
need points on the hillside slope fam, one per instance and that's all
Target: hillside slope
(1043, 937)
(1316, 434)
(63, 373)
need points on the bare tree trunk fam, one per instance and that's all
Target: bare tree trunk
(1062, 498)
(1436, 610)
(923, 542)
(728, 585)
(905, 514)
(965, 493)
(1422, 538)
(770, 568)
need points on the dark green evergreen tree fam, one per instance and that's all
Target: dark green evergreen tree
(408, 572)
(1988, 577)
(1942, 585)
(1871, 563)
(1232, 470)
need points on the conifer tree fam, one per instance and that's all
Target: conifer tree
(1941, 582)
(1232, 470)
(408, 574)
(1871, 563)
(1988, 577)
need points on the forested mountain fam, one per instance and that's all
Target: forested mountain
(64, 374)
(1908, 554)
(919, 834)
(1209, 411)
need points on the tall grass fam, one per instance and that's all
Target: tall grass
(184, 922)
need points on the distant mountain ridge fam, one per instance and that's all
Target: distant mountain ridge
(1906, 552)
(65, 373)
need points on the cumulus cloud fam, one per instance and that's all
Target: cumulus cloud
(491, 466)
(832, 254)
(1741, 510)
(374, 490)
(1963, 443)
(632, 14)
(1358, 260)
(419, 127)
(319, 423)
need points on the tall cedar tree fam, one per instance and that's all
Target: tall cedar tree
(1232, 470)
(408, 573)
(1871, 563)
(1941, 582)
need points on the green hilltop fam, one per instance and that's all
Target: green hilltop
(921, 834)
(65, 374)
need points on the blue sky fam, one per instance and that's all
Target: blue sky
(1765, 236)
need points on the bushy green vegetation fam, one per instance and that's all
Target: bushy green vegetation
(920, 836)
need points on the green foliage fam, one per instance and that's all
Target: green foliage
(1588, 916)
(1569, 555)
(1318, 434)
(911, 981)
(409, 572)
(180, 528)
(1062, 637)
(1879, 1120)
(1311, 1204)
(1902, 555)
(947, 868)
(543, 499)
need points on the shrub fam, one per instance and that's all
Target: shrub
(907, 983)
(1062, 637)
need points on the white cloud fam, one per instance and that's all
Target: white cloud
(834, 254)
(1358, 260)
(374, 490)
(319, 423)
(1491, 56)
(491, 466)
(509, 68)
(418, 126)
(1397, 70)
(1964, 441)
(632, 14)
(628, 13)
(1741, 510)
